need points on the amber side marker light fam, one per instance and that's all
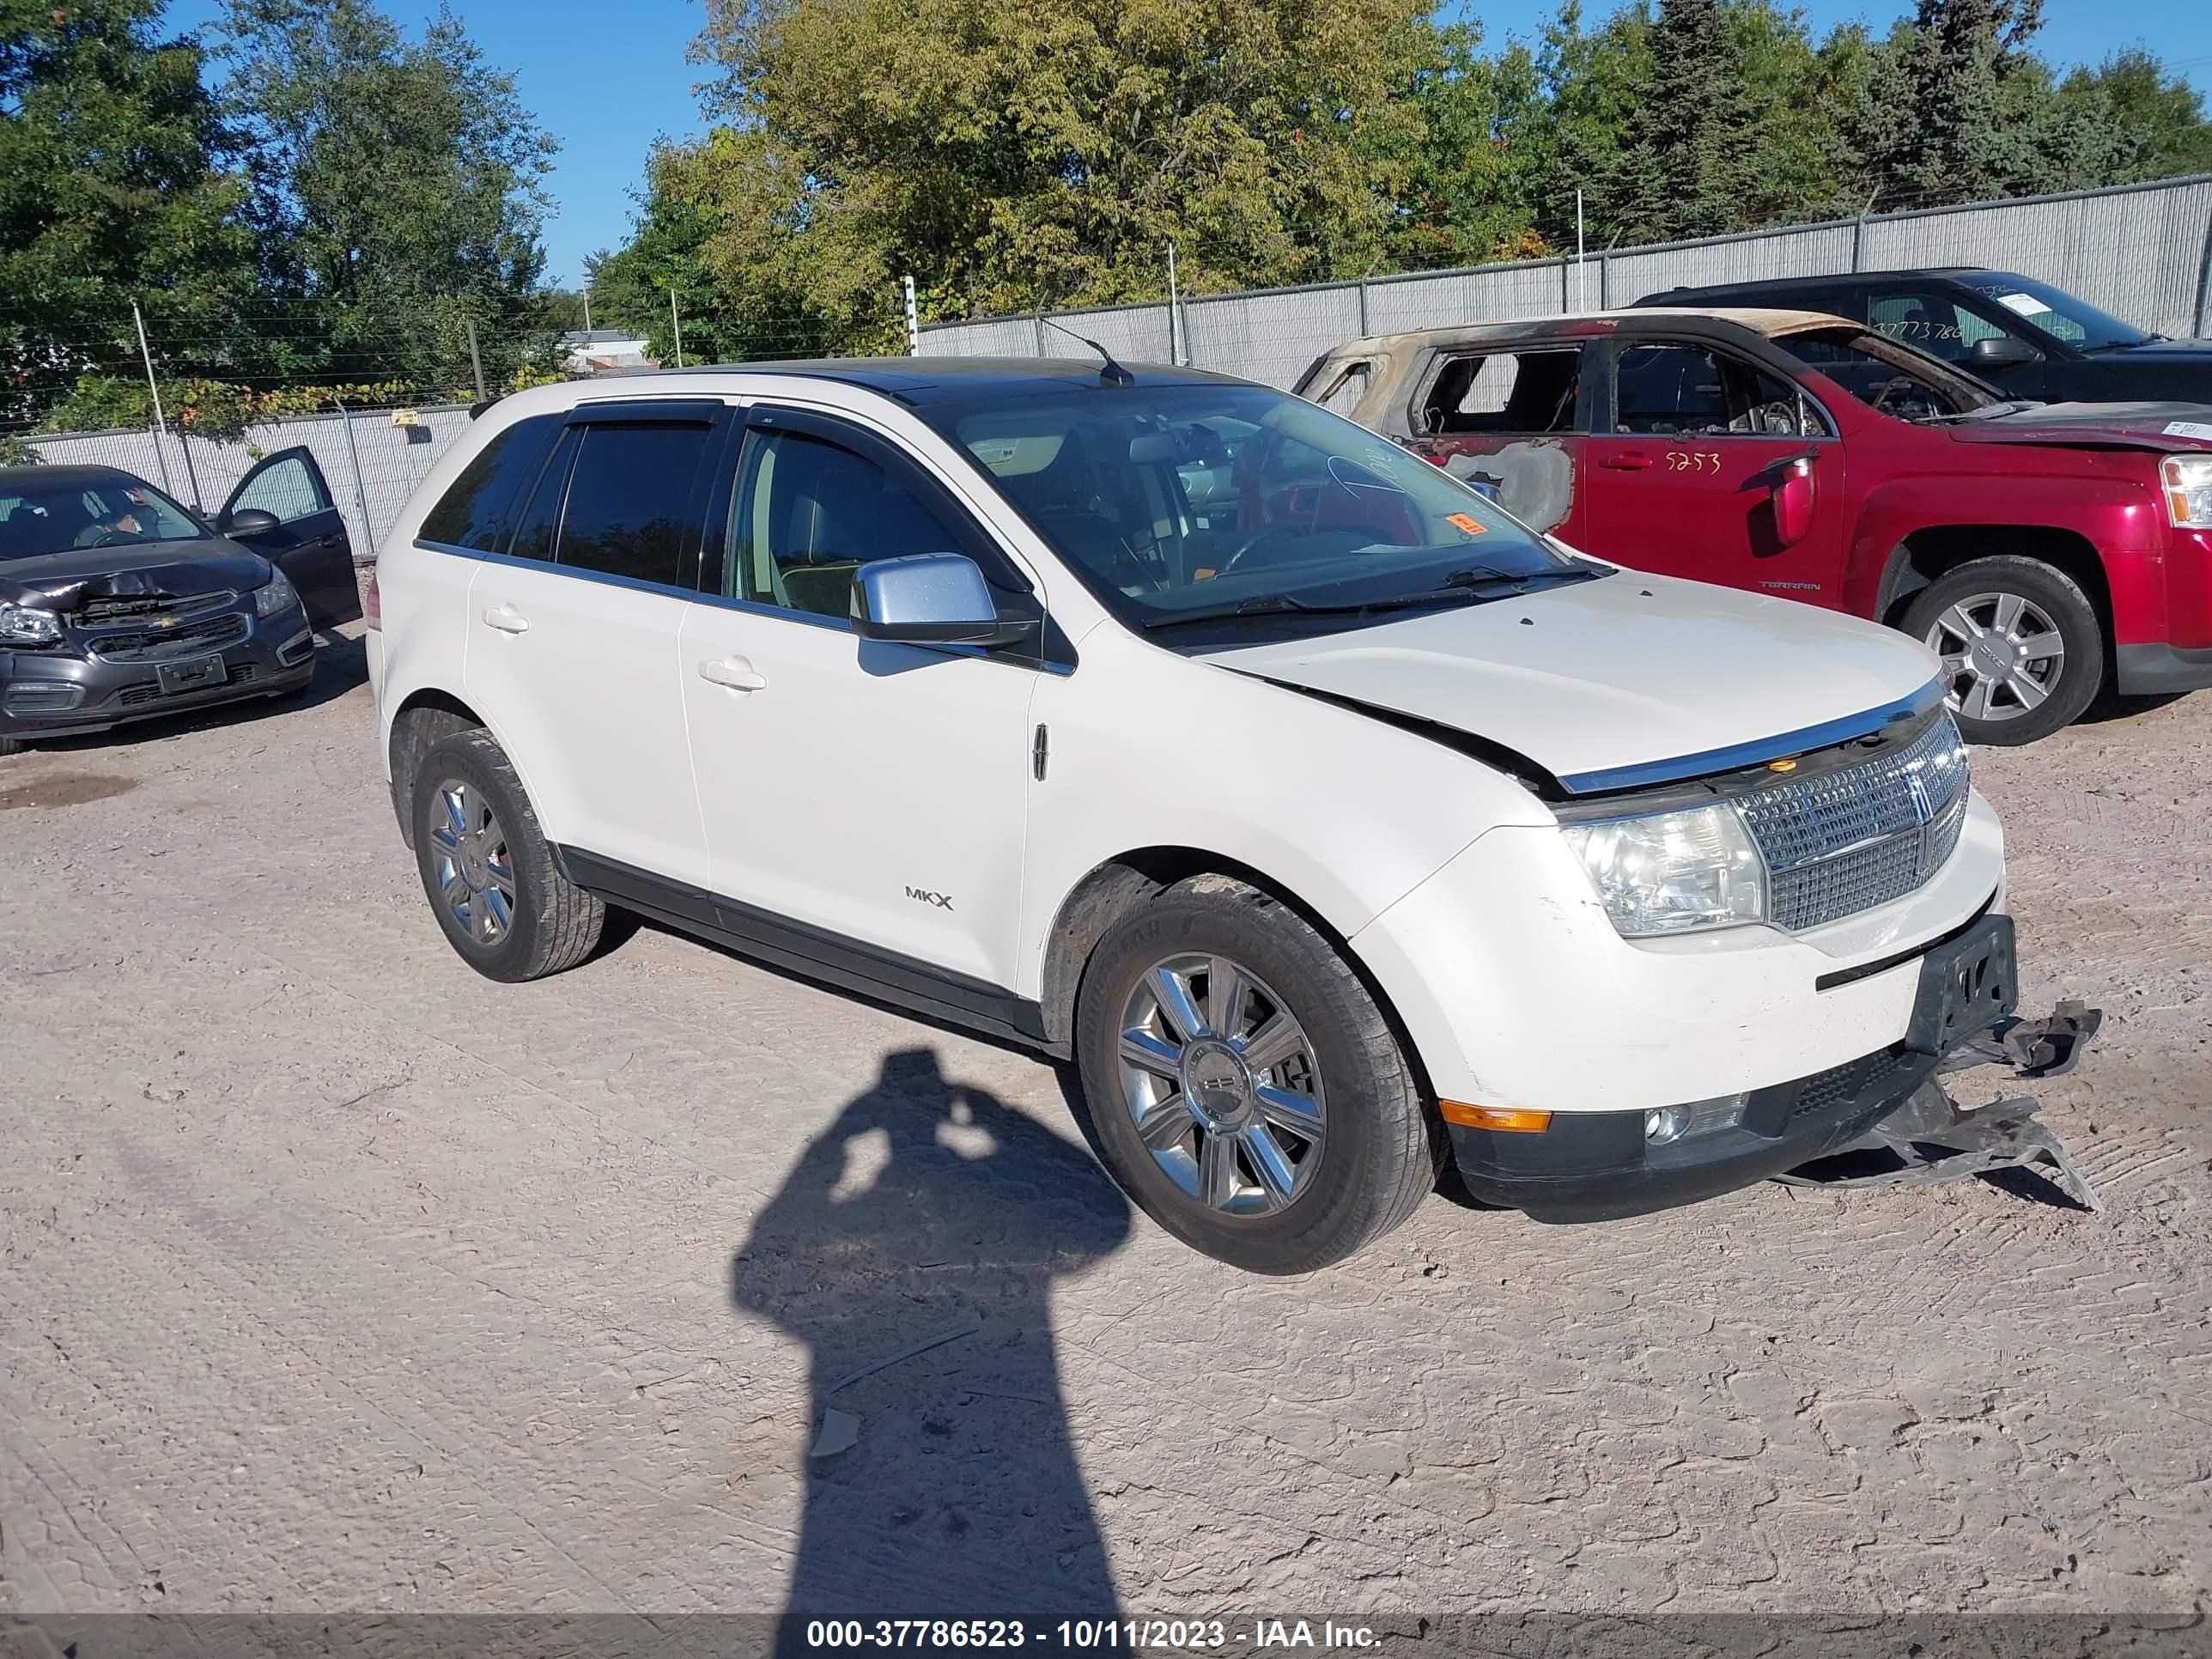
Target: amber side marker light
(1494, 1117)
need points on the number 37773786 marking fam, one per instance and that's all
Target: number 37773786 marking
(1694, 460)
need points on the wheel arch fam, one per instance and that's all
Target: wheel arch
(1128, 880)
(426, 715)
(1927, 555)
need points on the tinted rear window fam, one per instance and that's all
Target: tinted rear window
(635, 506)
(476, 508)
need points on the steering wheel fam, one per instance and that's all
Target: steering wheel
(1891, 388)
(1261, 538)
(1778, 415)
(110, 536)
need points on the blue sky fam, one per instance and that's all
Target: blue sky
(607, 80)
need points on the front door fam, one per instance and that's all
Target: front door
(1684, 477)
(856, 794)
(572, 635)
(309, 542)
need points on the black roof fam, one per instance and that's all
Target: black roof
(79, 473)
(1800, 284)
(941, 380)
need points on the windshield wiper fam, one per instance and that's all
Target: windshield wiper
(1456, 588)
(1489, 575)
(1995, 411)
(1269, 605)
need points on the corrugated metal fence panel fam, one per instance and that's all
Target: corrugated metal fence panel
(1005, 337)
(393, 460)
(1813, 252)
(1441, 298)
(1270, 338)
(1134, 334)
(2139, 253)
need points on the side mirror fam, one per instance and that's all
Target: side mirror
(1793, 502)
(929, 598)
(249, 521)
(2001, 351)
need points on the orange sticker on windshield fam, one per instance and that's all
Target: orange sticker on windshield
(1461, 522)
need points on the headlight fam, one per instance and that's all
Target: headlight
(2188, 490)
(278, 595)
(1670, 871)
(21, 625)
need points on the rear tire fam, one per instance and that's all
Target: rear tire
(1290, 1161)
(2023, 649)
(492, 880)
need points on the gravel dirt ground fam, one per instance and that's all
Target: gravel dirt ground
(334, 1277)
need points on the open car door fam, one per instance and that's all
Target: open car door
(283, 510)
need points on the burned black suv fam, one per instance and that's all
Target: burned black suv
(117, 604)
(2025, 337)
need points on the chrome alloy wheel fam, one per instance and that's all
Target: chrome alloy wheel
(470, 858)
(2002, 655)
(1222, 1085)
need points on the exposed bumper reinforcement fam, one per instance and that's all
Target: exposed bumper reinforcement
(1929, 1139)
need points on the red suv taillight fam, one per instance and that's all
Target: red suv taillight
(372, 602)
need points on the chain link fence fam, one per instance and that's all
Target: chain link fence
(2142, 253)
(371, 460)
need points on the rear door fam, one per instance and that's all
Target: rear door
(573, 632)
(1697, 441)
(309, 544)
(1512, 422)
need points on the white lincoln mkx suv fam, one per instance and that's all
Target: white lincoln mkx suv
(1333, 824)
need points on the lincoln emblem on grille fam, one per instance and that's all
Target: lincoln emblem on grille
(1916, 779)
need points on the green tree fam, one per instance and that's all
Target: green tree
(667, 253)
(2156, 117)
(1472, 168)
(112, 187)
(397, 186)
(1956, 108)
(1015, 156)
(1691, 163)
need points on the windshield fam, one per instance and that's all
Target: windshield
(1182, 502)
(1895, 378)
(38, 518)
(2057, 314)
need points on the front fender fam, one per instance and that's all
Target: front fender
(2116, 516)
(1149, 749)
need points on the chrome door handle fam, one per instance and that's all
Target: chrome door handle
(735, 672)
(507, 619)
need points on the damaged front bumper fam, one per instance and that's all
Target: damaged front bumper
(1598, 1166)
(71, 690)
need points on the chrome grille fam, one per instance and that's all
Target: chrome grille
(1846, 841)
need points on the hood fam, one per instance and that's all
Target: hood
(2182, 354)
(62, 581)
(2104, 426)
(1625, 680)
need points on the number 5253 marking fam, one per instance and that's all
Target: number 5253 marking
(1694, 460)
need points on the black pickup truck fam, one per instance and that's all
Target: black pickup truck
(2023, 336)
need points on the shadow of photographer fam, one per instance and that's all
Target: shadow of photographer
(926, 1207)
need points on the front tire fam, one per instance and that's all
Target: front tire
(1246, 1089)
(491, 879)
(2023, 650)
